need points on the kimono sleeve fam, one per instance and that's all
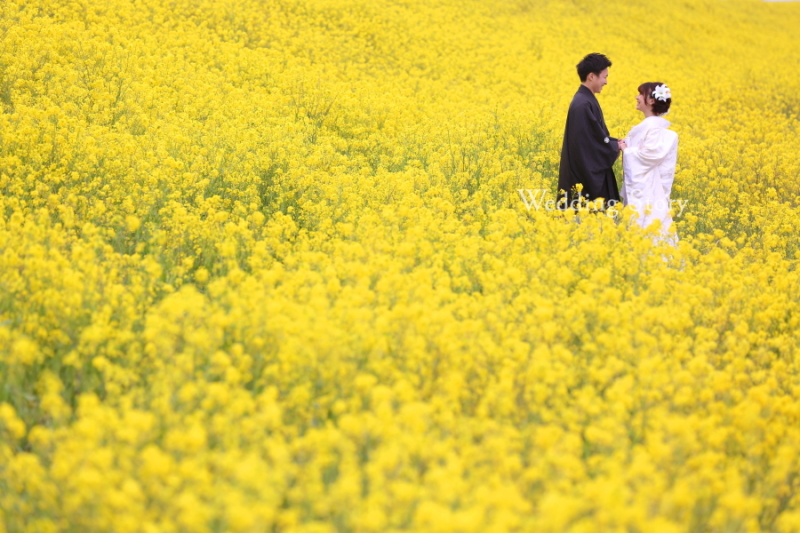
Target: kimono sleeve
(654, 149)
(603, 146)
(667, 166)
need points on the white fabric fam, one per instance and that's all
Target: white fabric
(648, 165)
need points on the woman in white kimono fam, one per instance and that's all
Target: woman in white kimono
(650, 153)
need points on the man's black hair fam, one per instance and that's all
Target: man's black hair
(596, 63)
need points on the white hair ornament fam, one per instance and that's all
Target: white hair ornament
(662, 93)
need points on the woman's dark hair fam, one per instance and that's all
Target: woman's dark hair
(648, 91)
(596, 63)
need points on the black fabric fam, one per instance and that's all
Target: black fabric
(588, 152)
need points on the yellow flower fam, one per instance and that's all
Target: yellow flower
(268, 269)
(11, 422)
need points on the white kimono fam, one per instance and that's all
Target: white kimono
(648, 164)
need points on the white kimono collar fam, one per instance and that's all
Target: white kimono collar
(656, 122)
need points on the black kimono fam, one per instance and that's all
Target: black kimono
(588, 152)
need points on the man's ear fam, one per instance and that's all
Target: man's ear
(591, 77)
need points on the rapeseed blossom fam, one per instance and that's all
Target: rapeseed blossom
(265, 266)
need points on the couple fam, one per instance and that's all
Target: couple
(650, 150)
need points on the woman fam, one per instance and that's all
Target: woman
(650, 152)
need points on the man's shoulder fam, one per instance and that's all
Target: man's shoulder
(581, 100)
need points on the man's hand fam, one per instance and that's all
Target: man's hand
(622, 145)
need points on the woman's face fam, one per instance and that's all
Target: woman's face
(644, 104)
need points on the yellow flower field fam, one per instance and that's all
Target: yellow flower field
(265, 267)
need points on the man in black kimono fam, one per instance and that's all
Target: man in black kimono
(589, 151)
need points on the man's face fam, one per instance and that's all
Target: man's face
(596, 82)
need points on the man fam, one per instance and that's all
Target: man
(589, 151)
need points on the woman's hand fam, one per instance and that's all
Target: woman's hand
(622, 144)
